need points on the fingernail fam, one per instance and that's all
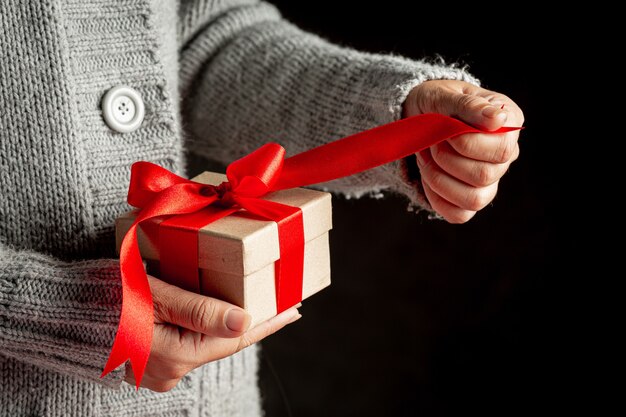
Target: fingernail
(290, 315)
(295, 318)
(491, 112)
(420, 159)
(237, 320)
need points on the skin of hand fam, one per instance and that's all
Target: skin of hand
(460, 176)
(191, 330)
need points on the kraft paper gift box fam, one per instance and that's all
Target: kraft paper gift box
(236, 254)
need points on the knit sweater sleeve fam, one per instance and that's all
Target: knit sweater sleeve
(59, 316)
(248, 77)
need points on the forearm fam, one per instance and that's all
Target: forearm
(270, 81)
(57, 315)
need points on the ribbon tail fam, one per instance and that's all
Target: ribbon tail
(134, 334)
(371, 148)
(290, 266)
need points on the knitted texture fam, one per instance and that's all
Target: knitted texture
(218, 78)
(276, 82)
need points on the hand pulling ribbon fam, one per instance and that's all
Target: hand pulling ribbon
(158, 192)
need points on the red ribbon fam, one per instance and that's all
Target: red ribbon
(158, 192)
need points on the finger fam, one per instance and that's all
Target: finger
(196, 312)
(445, 209)
(515, 116)
(466, 105)
(478, 111)
(470, 171)
(214, 348)
(451, 189)
(493, 148)
(268, 327)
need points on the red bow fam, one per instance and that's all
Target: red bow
(158, 192)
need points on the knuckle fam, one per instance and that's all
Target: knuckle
(485, 175)
(244, 342)
(157, 304)
(464, 101)
(465, 146)
(203, 313)
(266, 329)
(260, 332)
(270, 328)
(505, 151)
(438, 154)
(477, 199)
(436, 179)
(161, 309)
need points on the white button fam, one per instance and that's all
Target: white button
(122, 108)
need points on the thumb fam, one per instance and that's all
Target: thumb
(197, 312)
(472, 109)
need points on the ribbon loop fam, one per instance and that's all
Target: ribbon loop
(255, 174)
(147, 180)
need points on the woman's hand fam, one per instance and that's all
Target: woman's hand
(191, 330)
(460, 176)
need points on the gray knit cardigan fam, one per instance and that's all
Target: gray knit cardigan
(218, 78)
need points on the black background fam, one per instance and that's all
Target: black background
(424, 317)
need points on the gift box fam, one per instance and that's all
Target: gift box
(237, 253)
(233, 258)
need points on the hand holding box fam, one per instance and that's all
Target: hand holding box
(237, 253)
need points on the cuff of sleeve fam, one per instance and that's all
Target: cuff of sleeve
(391, 79)
(61, 316)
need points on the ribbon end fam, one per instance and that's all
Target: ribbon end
(117, 356)
(112, 365)
(138, 375)
(123, 351)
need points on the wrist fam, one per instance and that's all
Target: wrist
(409, 107)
